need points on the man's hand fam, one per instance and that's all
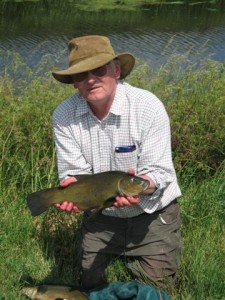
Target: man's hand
(126, 201)
(67, 206)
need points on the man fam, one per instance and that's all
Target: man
(110, 125)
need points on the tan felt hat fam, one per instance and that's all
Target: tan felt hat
(90, 52)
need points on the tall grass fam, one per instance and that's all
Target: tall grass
(45, 249)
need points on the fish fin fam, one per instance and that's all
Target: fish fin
(37, 203)
(93, 215)
(109, 202)
(42, 289)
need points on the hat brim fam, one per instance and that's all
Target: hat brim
(127, 62)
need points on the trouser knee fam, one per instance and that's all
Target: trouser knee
(145, 271)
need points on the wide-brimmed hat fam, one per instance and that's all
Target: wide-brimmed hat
(90, 52)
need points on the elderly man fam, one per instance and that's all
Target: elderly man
(111, 125)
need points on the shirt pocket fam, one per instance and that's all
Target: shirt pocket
(124, 161)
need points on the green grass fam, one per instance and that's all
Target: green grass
(45, 248)
(202, 271)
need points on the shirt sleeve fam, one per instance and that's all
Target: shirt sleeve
(155, 152)
(70, 159)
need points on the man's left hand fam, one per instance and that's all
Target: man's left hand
(126, 201)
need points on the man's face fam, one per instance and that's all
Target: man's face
(98, 84)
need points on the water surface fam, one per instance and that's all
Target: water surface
(152, 35)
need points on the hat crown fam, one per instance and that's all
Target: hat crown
(86, 47)
(90, 52)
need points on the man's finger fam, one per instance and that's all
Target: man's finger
(131, 171)
(67, 181)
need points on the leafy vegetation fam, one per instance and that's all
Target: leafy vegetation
(45, 249)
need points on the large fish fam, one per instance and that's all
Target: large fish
(53, 292)
(92, 191)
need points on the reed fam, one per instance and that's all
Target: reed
(45, 249)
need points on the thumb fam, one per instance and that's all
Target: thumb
(131, 171)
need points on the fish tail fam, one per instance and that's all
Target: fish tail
(29, 291)
(38, 202)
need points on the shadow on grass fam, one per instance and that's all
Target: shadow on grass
(59, 235)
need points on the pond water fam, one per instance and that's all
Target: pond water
(152, 34)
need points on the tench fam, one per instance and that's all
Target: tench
(93, 191)
(53, 292)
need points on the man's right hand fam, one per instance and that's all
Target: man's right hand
(67, 206)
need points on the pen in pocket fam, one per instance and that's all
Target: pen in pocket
(125, 148)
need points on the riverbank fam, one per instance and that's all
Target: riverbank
(99, 5)
(44, 249)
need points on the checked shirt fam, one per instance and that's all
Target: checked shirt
(137, 118)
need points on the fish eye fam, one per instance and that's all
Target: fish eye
(134, 179)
